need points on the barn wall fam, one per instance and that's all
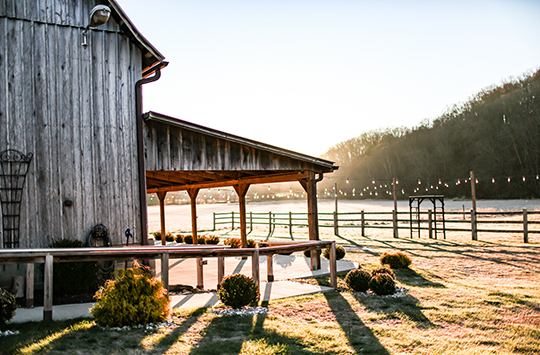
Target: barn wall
(74, 109)
(168, 147)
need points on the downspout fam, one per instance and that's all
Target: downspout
(140, 144)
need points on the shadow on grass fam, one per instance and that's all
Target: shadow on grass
(412, 278)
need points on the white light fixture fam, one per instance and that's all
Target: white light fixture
(98, 16)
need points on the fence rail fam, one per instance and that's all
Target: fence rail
(464, 221)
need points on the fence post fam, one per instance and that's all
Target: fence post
(362, 224)
(270, 268)
(336, 221)
(232, 219)
(473, 225)
(214, 221)
(333, 265)
(29, 286)
(250, 222)
(48, 288)
(430, 224)
(394, 219)
(220, 270)
(255, 267)
(525, 227)
(165, 270)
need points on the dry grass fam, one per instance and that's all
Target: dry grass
(464, 298)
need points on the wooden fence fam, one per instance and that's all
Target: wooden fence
(464, 221)
(51, 256)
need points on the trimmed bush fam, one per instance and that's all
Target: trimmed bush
(358, 280)
(382, 284)
(251, 243)
(8, 305)
(212, 239)
(233, 242)
(74, 278)
(188, 239)
(340, 252)
(179, 238)
(133, 298)
(157, 235)
(237, 291)
(201, 239)
(169, 237)
(397, 260)
(384, 270)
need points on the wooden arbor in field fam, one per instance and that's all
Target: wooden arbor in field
(182, 156)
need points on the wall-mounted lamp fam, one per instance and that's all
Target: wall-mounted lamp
(98, 16)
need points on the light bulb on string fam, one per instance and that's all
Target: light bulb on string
(524, 179)
(492, 180)
(508, 179)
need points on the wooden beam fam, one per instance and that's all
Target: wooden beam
(310, 185)
(241, 190)
(161, 196)
(193, 198)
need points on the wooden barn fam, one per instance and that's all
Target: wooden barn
(76, 150)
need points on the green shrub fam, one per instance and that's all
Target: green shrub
(251, 243)
(73, 278)
(188, 239)
(397, 260)
(382, 284)
(169, 237)
(157, 235)
(212, 239)
(237, 291)
(233, 242)
(8, 305)
(340, 252)
(133, 298)
(358, 280)
(179, 238)
(201, 239)
(384, 270)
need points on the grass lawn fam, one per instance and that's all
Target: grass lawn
(464, 298)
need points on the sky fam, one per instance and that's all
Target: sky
(305, 75)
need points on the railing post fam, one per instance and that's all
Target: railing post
(336, 223)
(473, 225)
(48, 288)
(333, 265)
(214, 221)
(430, 224)
(362, 223)
(270, 268)
(255, 267)
(395, 221)
(220, 270)
(165, 270)
(525, 227)
(200, 274)
(29, 286)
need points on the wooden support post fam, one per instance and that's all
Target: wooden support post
(525, 227)
(255, 267)
(270, 268)
(395, 225)
(220, 270)
(193, 198)
(310, 186)
(362, 223)
(29, 285)
(48, 288)
(473, 225)
(165, 270)
(161, 196)
(430, 224)
(241, 190)
(333, 265)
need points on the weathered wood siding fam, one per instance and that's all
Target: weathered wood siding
(74, 108)
(170, 148)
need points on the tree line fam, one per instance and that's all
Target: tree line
(496, 134)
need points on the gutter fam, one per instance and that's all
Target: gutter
(156, 70)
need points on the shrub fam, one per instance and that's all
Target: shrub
(340, 252)
(133, 298)
(233, 242)
(358, 280)
(201, 239)
(179, 238)
(237, 291)
(384, 270)
(73, 278)
(8, 305)
(397, 260)
(188, 239)
(169, 237)
(382, 284)
(157, 235)
(251, 243)
(212, 239)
